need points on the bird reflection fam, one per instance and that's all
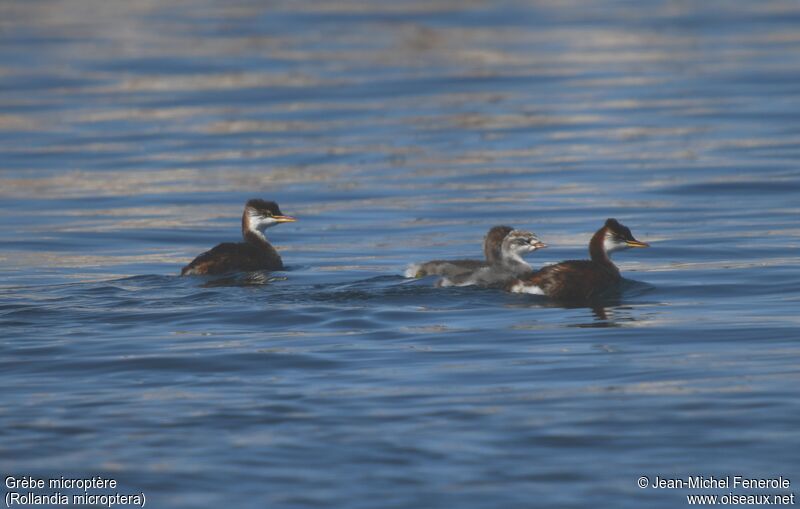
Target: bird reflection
(606, 311)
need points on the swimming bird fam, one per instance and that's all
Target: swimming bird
(492, 246)
(509, 266)
(255, 253)
(581, 280)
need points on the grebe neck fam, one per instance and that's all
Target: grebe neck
(513, 259)
(250, 233)
(255, 237)
(598, 252)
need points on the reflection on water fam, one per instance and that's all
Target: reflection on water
(131, 133)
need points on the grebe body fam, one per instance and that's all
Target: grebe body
(492, 247)
(255, 253)
(509, 266)
(581, 280)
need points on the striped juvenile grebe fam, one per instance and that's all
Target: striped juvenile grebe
(255, 253)
(492, 245)
(509, 267)
(581, 280)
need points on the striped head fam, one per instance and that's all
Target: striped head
(519, 243)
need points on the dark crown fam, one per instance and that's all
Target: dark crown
(264, 207)
(619, 229)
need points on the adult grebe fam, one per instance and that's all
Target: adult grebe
(255, 253)
(580, 280)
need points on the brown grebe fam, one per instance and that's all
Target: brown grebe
(509, 267)
(255, 253)
(581, 280)
(492, 246)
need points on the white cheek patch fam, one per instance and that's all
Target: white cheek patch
(256, 222)
(267, 222)
(252, 221)
(513, 253)
(610, 245)
(529, 289)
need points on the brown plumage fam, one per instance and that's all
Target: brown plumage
(255, 253)
(582, 280)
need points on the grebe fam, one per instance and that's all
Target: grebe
(509, 267)
(580, 280)
(492, 246)
(255, 253)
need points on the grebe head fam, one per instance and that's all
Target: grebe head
(617, 237)
(518, 243)
(493, 243)
(261, 214)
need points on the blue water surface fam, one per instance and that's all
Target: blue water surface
(132, 133)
